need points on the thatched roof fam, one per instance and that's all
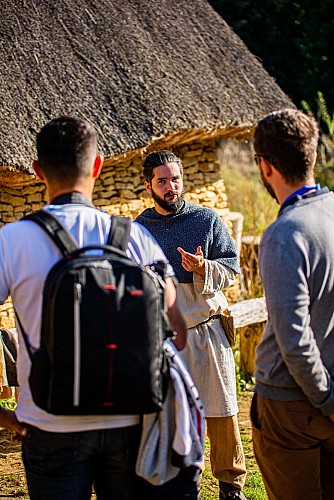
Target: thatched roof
(139, 69)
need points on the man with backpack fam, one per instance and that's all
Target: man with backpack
(64, 454)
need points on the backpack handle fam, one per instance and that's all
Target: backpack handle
(105, 248)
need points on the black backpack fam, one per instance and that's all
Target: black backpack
(103, 327)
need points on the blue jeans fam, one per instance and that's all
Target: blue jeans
(65, 465)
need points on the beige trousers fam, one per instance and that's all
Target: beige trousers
(226, 452)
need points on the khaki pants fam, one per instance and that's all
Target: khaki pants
(226, 452)
(294, 448)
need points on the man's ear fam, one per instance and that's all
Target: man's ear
(98, 164)
(37, 170)
(267, 168)
(148, 186)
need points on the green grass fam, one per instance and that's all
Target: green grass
(254, 488)
(247, 195)
(244, 188)
(8, 403)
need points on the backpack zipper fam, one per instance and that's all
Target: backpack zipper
(77, 344)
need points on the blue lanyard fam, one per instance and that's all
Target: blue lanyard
(297, 195)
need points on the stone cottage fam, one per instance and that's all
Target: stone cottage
(149, 74)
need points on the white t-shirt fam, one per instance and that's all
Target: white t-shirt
(26, 256)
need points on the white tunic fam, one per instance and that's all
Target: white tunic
(208, 354)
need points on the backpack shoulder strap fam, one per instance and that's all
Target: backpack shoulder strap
(57, 232)
(24, 335)
(119, 234)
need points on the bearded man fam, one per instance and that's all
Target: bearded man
(198, 245)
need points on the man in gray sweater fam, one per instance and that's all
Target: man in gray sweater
(293, 405)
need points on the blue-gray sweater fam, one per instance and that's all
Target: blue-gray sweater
(295, 358)
(190, 227)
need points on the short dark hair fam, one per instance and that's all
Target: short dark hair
(66, 148)
(289, 138)
(157, 158)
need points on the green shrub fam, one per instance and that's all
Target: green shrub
(324, 170)
(244, 189)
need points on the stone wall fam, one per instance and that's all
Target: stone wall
(120, 188)
(120, 191)
(18, 201)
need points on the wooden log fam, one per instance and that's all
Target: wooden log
(247, 312)
(250, 318)
(249, 338)
(251, 284)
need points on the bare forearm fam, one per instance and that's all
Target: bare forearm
(175, 317)
(9, 421)
(178, 325)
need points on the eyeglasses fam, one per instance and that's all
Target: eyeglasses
(256, 158)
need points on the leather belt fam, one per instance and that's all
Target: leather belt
(207, 320)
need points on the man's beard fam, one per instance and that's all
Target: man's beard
(170, 206)
(268, 186)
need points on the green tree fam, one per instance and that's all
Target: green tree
(324, 170)
(293, 39)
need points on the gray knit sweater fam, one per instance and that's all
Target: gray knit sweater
(295, 358)
(190, 227)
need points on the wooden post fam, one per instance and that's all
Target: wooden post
(249, 338)
(250, 318)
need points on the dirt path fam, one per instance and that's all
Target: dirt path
(12, 477)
